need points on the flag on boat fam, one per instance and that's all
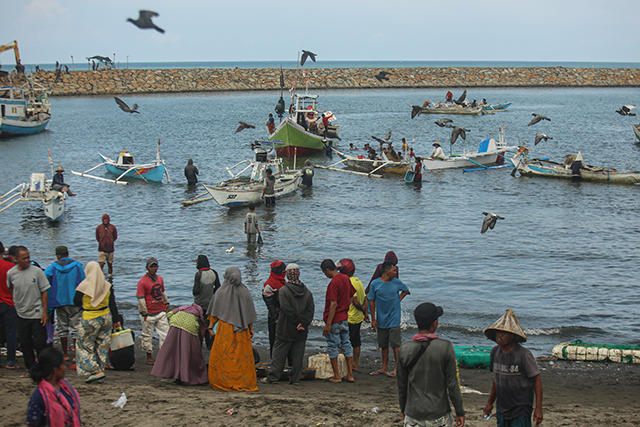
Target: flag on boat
(329, 115)
(291, 88)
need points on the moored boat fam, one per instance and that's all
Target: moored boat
(125, 167)
(496, 107)
(303, 133)
(448, 108)
(549, 169)
(636, 131)
(242, 190)
(384, 164)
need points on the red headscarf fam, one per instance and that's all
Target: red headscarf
(277, 276)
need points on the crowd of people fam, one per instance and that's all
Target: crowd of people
(222, 317)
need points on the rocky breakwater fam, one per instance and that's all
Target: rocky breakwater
(112, 82)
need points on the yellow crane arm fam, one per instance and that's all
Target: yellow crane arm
(13, 46)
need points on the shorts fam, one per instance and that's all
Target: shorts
(105, 256)
(251, 238)
(68, 320)
(516, 422)
(338, 339)
(389, 337)
(444, 421)
(270, 200)
(354, 334)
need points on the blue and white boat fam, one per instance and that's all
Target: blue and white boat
(496, 107)
(125, 167)
(23, 111)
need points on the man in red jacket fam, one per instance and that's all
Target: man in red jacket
(106, 235)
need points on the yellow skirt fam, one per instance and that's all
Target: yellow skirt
(231, 363)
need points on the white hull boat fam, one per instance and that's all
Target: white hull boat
(39, 190)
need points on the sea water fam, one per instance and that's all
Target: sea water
(563, 258)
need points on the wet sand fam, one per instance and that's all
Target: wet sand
(575, 393)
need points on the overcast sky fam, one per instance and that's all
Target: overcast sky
(252, 30)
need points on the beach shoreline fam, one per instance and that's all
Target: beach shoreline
(575, 393)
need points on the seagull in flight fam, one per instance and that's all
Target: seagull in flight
(307, 54)
(540, 137)
(537, 118)
(144, 21)
(384, 140)
(382, 75)
(124, 107)
(444, 123)
(489, 222)
(458, 131)
(625, 110)
(243, 126)
(460, 101)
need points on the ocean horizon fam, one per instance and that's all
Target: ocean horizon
(120, 64)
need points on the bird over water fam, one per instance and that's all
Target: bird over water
(144, 21)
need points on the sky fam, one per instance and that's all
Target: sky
(259, 30)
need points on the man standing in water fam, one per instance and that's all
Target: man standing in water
(106, 235)
(307, 173)
(269, 192)
(191, 173)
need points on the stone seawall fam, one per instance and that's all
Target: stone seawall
(113, 82)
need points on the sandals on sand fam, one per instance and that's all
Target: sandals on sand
(12, 367)
(94, 378)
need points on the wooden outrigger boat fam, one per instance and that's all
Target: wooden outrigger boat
(549, 169)
(38, 189)
(448, 108)
(496, 107)
(242, 190)
(125, 167)
(384, 165)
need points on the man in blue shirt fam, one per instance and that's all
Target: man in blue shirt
(64, 276)
(385, 294)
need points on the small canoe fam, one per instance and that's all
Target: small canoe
(497, 107)
(549, 169)
(636, 131)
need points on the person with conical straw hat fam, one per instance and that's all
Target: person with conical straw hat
(516, 376)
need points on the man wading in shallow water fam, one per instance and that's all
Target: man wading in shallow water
(268, 192)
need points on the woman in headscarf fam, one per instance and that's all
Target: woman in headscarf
(270, 291)
(180, 357)
(95, 296)
(55, 402)
(232, 314)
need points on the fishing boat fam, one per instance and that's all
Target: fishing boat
(38, 189)
(496, 107)
(26, 109)
(549, 169)
(125, 167)
(303, 133)
(448, 108)
(636, 131)
(242, 190)
(490, 152)
(384, 165)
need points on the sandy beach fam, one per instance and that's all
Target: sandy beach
(575, 393)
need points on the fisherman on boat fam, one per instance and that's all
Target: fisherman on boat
(437, 153)
(58, 183)
(576, 166)
(271, 124)
(449, 97)
(126, 156)
(405, 146)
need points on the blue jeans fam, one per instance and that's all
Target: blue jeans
(338, 339)
(8, 312)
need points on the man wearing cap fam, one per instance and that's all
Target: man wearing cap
(516, 376)
(64, 276)
(437, 153)
(428, 375)
(106, 235)
(58, 184)
(385, 295)
(153, 305)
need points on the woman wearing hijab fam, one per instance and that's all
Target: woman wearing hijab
(180, 357)
(55, 402)
(95, 296)
(270, 291)
(231, 314)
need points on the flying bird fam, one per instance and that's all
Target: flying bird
(537, 118)
(444, 123)
(382, 75)
(307, 54)
(458, 131)
(416, 110)
(243, 126)
(489, 222)
(144, 21)
(384, 140)
(124, 107)
(625, 110)
(460, 101)
(541, 136)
